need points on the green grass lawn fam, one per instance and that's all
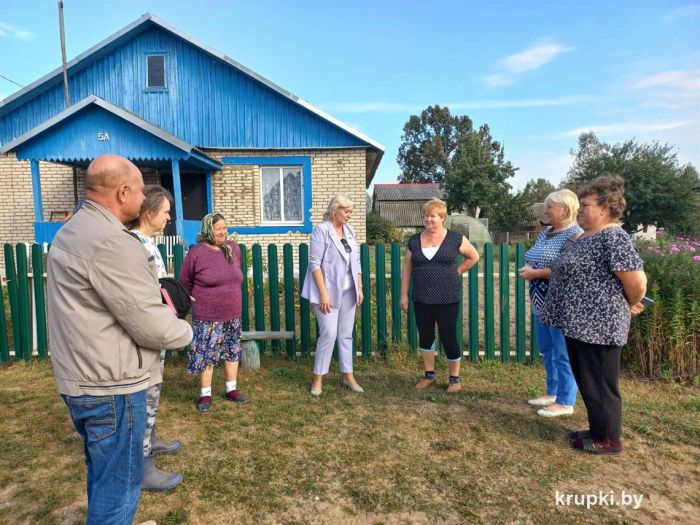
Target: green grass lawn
(391, 455)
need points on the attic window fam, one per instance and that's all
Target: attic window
(155, 71)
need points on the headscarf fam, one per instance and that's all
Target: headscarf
(206, 234)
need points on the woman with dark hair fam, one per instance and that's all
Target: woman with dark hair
(596, 285)
(153, 216)
(211, 273)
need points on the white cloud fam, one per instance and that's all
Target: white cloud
(683, 12)
(534, 57)
(674, 89)
(8, 30)
(628, 128)
(400, 107)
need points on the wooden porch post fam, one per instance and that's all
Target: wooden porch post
(177, 188)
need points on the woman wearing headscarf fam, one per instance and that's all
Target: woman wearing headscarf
(211, 273)
(561, 210)
(332, 285)
(153, 217)
(595, 287)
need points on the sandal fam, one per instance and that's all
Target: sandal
(607, 447)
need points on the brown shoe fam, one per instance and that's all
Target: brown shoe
(454, 388)
(424, 383)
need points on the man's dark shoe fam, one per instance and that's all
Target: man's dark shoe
(157, 480)
(163, 446)
(204, 404)
(236, 397)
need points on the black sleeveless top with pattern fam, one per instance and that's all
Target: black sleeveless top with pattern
(435, 281)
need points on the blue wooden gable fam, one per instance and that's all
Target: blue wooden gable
(209, 100)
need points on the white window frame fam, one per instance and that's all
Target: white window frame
(165, 72)
(281, 169)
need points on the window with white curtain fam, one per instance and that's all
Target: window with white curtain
(282, 192)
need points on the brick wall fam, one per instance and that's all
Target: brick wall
(237, 190)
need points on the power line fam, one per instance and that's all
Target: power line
(10, 80)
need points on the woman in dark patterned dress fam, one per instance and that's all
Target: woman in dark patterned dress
(431, 261)
(211, 273)
(595, 287)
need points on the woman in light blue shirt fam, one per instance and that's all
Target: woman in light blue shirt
(561, 210)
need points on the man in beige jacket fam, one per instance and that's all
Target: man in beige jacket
(107, 325)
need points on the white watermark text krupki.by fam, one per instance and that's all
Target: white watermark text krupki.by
(601, 498)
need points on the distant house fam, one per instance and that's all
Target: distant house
(402, 204)
(218, 135)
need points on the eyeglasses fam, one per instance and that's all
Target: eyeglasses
(347, 247)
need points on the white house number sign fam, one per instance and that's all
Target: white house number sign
(103, 136)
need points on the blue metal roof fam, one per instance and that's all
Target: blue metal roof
(211, 101)
(94, 127)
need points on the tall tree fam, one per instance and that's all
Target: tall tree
(478, 173)
(429, 143)
(537, 190)
(658, 189)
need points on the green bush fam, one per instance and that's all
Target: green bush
(665, 339)
(381, 230)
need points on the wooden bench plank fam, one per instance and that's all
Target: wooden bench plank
(267, 335)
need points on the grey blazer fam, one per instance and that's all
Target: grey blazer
(326, 252)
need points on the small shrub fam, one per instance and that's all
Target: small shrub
(381, 230)
(665, 339)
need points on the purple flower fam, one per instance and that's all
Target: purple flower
(691, 249)
(660, 230)
(696, 258)
(675, 249)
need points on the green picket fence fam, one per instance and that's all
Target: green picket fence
(493, 318)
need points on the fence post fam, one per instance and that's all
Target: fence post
(533, 338)
(39, 300)
(11, 275)
(396, 292)
(519, 304)
(258, 296)
(24, 301)
(304, 318)
(273, 287)
(245, 306)
(178, 257)
(474, 311)
(289, 320)
(164, 255)
(504, 302)
(4, 348)
(412, 327)
(489, 335)
(366, 307)
(460, 312)
(380, 288)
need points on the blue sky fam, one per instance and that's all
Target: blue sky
(538, 72)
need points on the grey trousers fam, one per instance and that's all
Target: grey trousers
(337, 324)
(152, 400)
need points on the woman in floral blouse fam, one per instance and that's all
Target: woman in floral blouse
(595, 287)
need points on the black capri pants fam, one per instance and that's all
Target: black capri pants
(445, 315)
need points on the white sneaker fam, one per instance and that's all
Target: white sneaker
(542, 401)
(548, 412)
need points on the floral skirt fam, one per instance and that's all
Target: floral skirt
(212, 340)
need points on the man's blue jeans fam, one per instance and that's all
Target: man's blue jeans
(112, 428)
(560, 378)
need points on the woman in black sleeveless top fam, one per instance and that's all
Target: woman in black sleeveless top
(431, 261)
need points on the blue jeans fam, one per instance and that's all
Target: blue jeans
(560, 378)
(112, 428)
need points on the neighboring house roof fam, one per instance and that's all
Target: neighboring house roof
(49, 85)
(403, 214)
(408, 192)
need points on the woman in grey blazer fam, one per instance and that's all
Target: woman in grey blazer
(332, 285)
